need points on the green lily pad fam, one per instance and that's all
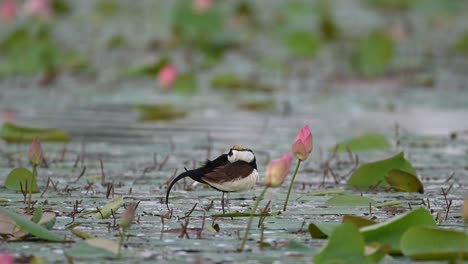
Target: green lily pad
(185, 84)
(346, 245)
(350, 200)
(328, 192)
(432, 243)
(404, 182)
(374, 173)
(358, 221)
(302, 43)
(94, 248)
(258, 106)
(12, 133)
(32, 228)
(21, 178)
(461, 45)
(322, 229)
(391, 231)
(232, 82)
(390, 204)
(374, 54)
(112, 206)
(161, 112)
(366, 142)
(149, 69)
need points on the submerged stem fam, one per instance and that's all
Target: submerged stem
(252, 213)
(291, 184)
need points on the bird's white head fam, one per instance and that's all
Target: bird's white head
(240, 153)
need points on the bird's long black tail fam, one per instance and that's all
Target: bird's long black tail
(185, 174)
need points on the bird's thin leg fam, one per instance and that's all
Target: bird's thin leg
(227, 203)
(222, 203)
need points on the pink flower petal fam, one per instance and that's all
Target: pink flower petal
(167, 76)
(299, 150)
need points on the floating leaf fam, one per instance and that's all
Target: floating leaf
(185, 84)
(374, 173)
(21, 178)
(432, 243)
(12, 133)
(374, 54)
(345, 245)
(390, 204)
(37, 215)
(161, 112)
(358, 221)
(94, 248)
(230, 81)
(461, 45)
(81, 234)
(366, 142)
(349, 200)
(8, 227)
(390, 231)
(149, 69)
(294, 245)
(322, 229)
(302, 43)
(328, 192)
(404, 182)
(240, 214)
(112, 206)
(258, 106)
(30, 227)
(391, 4)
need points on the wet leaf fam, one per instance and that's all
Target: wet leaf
(404, 182)
(345, 245)
(240, 214)
(391, 231)
(432, 243)
(376, 251)
(21, 178)
(185, 84)
(160, 112)
(374, 54)
(89, 250)
(322, 229)
(349, 200)
(258, 106)
(32, 228)
(302, 43)
(112, 206)
(366, 142)
(358, 221)
(12, 133)
(327, 192)
(374, 173)
(4, 201)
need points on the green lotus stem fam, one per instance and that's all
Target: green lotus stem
(28, 209)
(291, 184)
(252, 213)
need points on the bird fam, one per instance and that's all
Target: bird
(235, 171)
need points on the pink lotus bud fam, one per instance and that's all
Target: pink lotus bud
(127, 216)
(38, 8)
(302, 145)
(35, 152)
(6, 258)
(8, 11)
(277, 170)
(202, 6)
(167, 76)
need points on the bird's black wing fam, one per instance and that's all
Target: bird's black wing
(228, 172)
(198, 174)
